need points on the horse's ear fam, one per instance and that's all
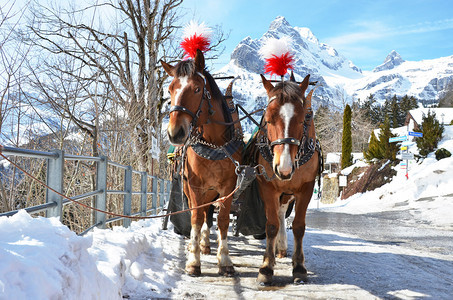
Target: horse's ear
(199, 61)
(267, 84)
(304, 84)
(168, 68)
(292, 78)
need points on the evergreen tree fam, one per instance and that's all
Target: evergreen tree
(432, 133)
(406, 104)
(387, 149)
(346, 145)
(373, 151)
(393, 112)
(372, 110)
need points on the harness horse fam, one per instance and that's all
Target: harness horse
(200, 122)
(288, 148)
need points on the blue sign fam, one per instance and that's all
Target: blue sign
(417, 134)
(398, 139)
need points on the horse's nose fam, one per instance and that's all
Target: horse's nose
(284, 173)
(177, 138)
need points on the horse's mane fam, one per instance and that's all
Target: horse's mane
(287, 91)
(187, 68)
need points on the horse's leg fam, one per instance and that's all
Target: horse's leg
(282, 241)
(302, 200)
(223, 221)
(271, 205)
(204, 243)
(193, 264)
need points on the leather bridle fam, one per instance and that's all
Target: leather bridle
(195, 116)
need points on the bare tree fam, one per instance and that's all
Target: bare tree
(124, 57)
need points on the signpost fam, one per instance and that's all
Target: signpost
(405, 147)
(398, 139)
(416, 134)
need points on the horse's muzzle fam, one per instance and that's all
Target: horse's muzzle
(177, 136)
(282, 175)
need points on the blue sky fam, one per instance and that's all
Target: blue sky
(363, 31)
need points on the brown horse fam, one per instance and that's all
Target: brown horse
(287, 149)
(198, 122)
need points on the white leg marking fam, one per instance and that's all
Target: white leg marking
(223, 254)
(193, 258)
(205, 235)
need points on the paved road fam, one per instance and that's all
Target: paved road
(381, 256)
(397, 227)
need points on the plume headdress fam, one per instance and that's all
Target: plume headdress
(195, 37)
(278, 56)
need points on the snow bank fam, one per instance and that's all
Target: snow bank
(42, 259)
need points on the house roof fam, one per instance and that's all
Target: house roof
(443, 114)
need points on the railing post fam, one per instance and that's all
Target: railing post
(167, 192)
(127, 205)
(55, 170)
(143, 193)
(161, 193)
(101, 184)
(154, 194)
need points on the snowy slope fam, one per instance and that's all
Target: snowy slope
(424, 79)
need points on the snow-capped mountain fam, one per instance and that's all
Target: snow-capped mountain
(321, 61)
(339, 80)
(425, 80)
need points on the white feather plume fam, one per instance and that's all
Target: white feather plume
(277, 47)
(198, 29)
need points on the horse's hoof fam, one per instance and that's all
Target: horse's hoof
(206, 250)
(300, 274)
(194, 271)
(281, 253)
(265, 276)
(227, 271)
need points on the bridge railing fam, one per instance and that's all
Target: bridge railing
(53, 207)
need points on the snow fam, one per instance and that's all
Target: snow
(427, 194)
(42, 259)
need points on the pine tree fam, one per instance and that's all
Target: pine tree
(373, 151)
(372, 110)
(406, 104)
(387, 149)
(346, 145)
(432, 134)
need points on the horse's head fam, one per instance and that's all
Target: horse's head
(284, 118)
(187, 91)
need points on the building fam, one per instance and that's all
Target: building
(414, 117)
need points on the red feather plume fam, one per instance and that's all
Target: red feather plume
(195, 37)
(279, 65)
(278, 56)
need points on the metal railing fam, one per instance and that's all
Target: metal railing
(160, 188)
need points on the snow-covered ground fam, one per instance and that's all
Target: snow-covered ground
(42, 259)
(427, 193)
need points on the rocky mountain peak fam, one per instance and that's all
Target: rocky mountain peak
(279, 23)
(391, 61)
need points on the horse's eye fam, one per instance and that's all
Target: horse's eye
(197, 90)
